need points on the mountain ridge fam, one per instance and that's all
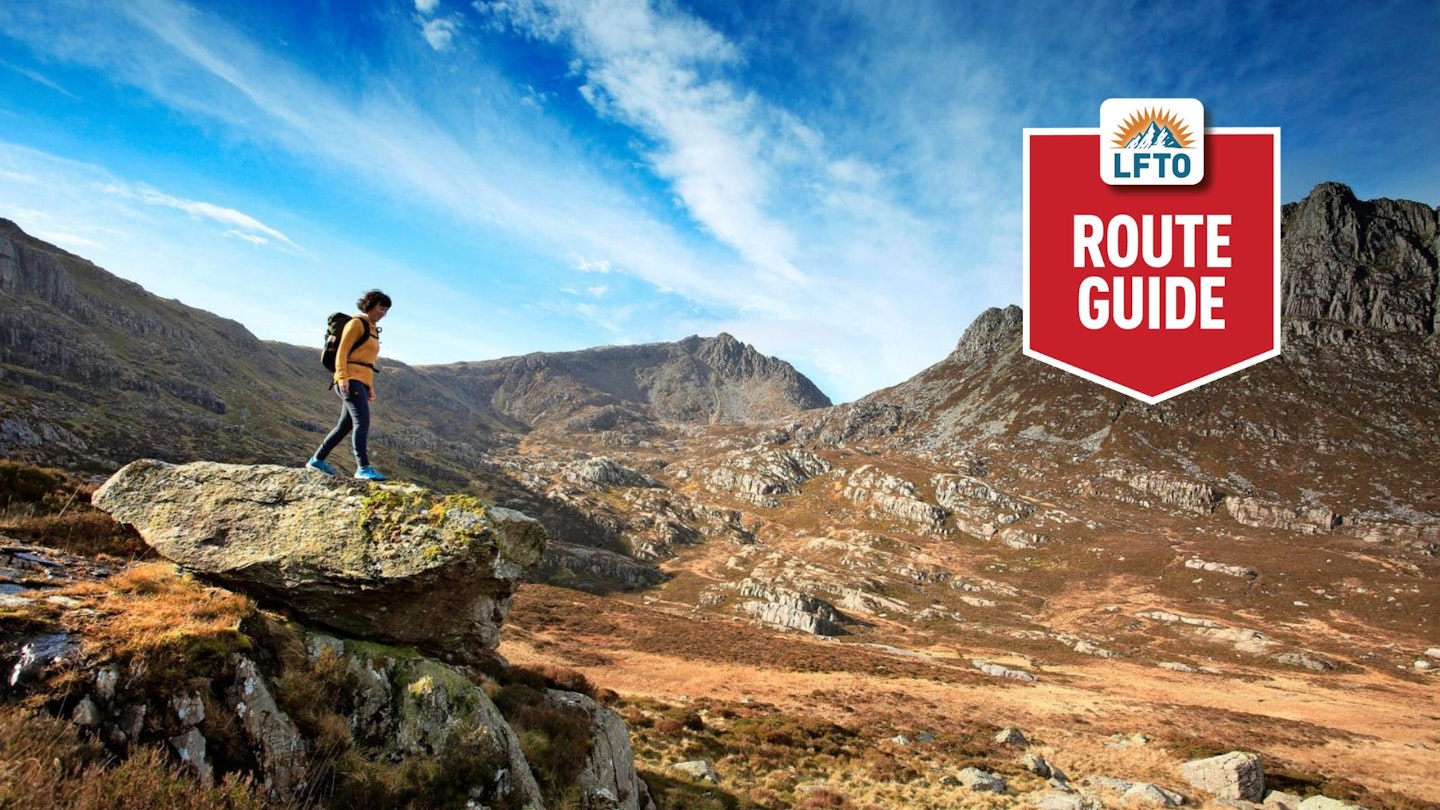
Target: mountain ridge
(189, 384)
(1356, 382)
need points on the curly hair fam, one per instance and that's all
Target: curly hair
(372, 299)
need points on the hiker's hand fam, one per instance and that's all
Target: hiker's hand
(372, 394)
(342, 389)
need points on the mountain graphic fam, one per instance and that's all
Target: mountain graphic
(1154, 136)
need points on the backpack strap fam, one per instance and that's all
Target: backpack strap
(365, 325)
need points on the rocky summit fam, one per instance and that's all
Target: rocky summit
(394, 563)
(697, 380)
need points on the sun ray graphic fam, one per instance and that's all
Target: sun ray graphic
(1141, 119)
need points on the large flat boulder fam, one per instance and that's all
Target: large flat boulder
(392, 562)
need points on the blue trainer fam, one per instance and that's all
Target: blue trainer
(321, 465)
(368, 473)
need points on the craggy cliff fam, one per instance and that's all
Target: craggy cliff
(373, 643)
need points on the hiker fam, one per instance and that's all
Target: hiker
(355, 356)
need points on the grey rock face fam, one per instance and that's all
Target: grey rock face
(990, 334)
(1021, 539)
(1036, 764)
(1331, 232)
(977, 507)
(1308, 660)
(1263, 514)
(759, 476)
(886, 495)
(699, 770)
(1280, 800)
(1001, 671)
(278, 746)
(580, 566)
(1239, 571)
(1236, 775)
(1012, 736)
(603, 471)
(394, 563)
(981, 781)
(1190, 496)
(408, 706)
(191, 748)
(609, 780)
(1148, 795)
(792, 609)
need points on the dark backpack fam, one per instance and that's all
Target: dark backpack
(334, 327)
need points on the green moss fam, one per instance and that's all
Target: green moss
(425, 679)
(386, 513)
(468, 503)
(395, 514)
(371, 649)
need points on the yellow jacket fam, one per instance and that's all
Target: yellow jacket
(360, 363)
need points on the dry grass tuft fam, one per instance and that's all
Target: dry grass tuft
(151, 606)
(44, 765)
(51, 508)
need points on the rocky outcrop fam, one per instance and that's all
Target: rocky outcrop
(1236, 775)
(886, 495)
(1001, 671)
(1238, 571)
(400, 707)
(788, 608)
(1270, 515)
(1190, 496)
(603, 471)
(279, 749)
(977, 507)
(1396, 242)
(989, 334)
(608, 781)
(396, 563)
(409, 706)
(594, 569)
(1021, 539)
(762, 474)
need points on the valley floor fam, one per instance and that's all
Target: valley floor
(1365, 735)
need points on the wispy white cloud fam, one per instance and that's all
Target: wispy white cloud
(238, 224)
(439, 32)
(854, 245)
(285, 297)
(39, 78)
(663, 73)
(592, 265)
(870, 251)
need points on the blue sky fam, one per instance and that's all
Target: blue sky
(837, 182)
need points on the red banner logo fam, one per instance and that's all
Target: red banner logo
(1152, 290)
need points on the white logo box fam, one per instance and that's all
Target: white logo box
(1152, 141)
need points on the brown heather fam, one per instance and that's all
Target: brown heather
(45, 765)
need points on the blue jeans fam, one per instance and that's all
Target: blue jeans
(354, 420)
